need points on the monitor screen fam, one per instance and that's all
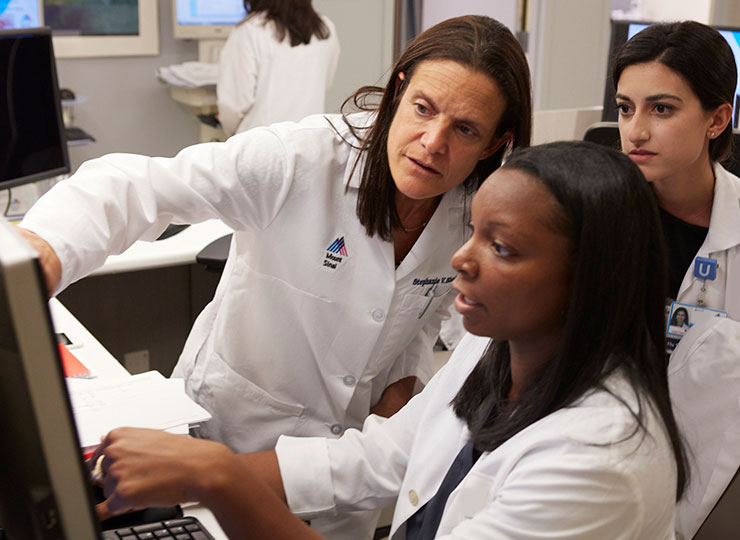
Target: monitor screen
(44, 493)
(20, 14)
(622, 31)
(32, 142)
(206, 19)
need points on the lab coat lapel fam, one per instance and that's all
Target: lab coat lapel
(447, 217)
(724, 229)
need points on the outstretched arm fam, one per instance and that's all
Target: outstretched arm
(50, 264)
(142, 468)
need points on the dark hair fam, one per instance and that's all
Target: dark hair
(609, 214)
(293, 17)
(696, 52)
(676, 312)
(476, 42)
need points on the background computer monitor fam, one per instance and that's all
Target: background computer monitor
(21, 14)
(32, 142)
(621, 31)
(43, 493)
(206, 19)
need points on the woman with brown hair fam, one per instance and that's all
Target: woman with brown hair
(339, 272)
(276, 65)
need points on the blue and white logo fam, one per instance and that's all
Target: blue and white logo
(705, 268)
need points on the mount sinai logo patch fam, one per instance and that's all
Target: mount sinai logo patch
(335, 255)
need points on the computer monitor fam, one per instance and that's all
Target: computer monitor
(43, 493)
(32, 141)
(20, 14)
(206, 19)
(621, 31)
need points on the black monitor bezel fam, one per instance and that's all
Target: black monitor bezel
(65, 168)
(55, 454)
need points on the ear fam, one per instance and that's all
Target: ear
(719, 119)
(398, 84)
(496, 144)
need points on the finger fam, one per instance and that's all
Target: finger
(103, 511)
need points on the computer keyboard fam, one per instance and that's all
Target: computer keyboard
(186, 528)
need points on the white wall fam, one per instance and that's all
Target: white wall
(365, 31)
(504, 11)
(568, 50)
(127, 109)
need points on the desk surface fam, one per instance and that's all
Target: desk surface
(180, 248)
(103, 365)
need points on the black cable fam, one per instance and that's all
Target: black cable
(5, 214)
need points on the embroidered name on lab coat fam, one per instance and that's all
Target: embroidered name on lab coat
(335, 255)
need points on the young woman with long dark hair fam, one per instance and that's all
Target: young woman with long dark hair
(551, 420)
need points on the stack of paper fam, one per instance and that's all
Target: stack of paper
(146, 400)
(189, 74)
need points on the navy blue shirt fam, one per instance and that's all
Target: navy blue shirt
(424, 523)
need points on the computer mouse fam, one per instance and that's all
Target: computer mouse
(66, 94)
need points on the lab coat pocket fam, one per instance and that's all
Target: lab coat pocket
(248, 417)
(421, 307)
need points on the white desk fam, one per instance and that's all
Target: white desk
(102, 364)
(141, 304)
(180, 248)
(86, 348)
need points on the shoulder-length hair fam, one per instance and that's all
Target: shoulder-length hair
(696, 52)
(476, 42)
(674, 318)
(615, 314)
(296, 18)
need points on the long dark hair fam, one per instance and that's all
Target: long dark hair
(674, 318)
(696, 52)
(295, 18)
(476, 42)
(609, 214)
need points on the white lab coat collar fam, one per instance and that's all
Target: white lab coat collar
(724, 225)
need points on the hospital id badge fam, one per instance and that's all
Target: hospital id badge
(681, 317)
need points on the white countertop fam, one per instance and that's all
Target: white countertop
(180, 248)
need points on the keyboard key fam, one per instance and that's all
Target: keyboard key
(187, 528)
(149, 527)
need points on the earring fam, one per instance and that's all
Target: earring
(711, 134)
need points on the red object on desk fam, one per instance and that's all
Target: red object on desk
(72, 366)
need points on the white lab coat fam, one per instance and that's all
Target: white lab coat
(694, 387)
(704, 378)
(288, 345)
(722, 243)
(562, 477)
(263, 80)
